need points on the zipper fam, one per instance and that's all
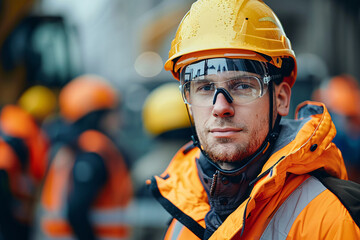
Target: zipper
(251, 185)
(214, 183)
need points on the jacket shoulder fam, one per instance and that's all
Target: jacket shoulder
(347, 192)
(323, 217)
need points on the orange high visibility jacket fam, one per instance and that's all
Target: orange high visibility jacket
(24, 161)
(107, 211)
(286, 201)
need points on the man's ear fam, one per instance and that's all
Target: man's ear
(282, 98)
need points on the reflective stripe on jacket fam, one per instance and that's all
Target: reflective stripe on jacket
(107, 213)
(285, 202)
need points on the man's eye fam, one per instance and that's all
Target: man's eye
(204, 87)
(242, 86)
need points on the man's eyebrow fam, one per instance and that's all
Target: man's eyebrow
(202, 79)
(247, 74)
(232, 77)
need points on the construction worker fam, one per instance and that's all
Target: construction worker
(165, 119)
(23, 159)
(341, 94)
(250, 174)
(88, 186)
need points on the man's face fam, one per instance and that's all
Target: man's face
(230, 132)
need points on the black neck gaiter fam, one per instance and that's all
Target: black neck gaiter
(225, 191)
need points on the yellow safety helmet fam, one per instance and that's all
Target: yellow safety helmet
(39, 101)
(164, 110)
(233, 29)
(85, 94)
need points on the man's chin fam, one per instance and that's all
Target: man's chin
(224, 156)
(226, 152)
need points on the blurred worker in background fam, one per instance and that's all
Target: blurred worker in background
(341, 94)
(88, 185)
(250, 174)
(166, 120)
(23, 159)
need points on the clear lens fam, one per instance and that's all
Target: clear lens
(245, 80)
(243, 89)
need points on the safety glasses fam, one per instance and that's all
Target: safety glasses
(240, 80)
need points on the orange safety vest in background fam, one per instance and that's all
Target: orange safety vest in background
(107, 211)
(286, 201)
(25, 165)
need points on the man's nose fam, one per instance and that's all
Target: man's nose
(222, 106)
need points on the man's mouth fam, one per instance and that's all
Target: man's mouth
(224, 132)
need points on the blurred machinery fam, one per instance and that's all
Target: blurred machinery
(34, 49)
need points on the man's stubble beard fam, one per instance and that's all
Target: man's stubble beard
(228, 150)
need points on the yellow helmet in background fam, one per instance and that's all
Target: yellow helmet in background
(164, 110)
(85, 94)
(39, 101)
(233, 29)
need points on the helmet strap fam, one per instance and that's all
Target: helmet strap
(273, 131)
(194, 136)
